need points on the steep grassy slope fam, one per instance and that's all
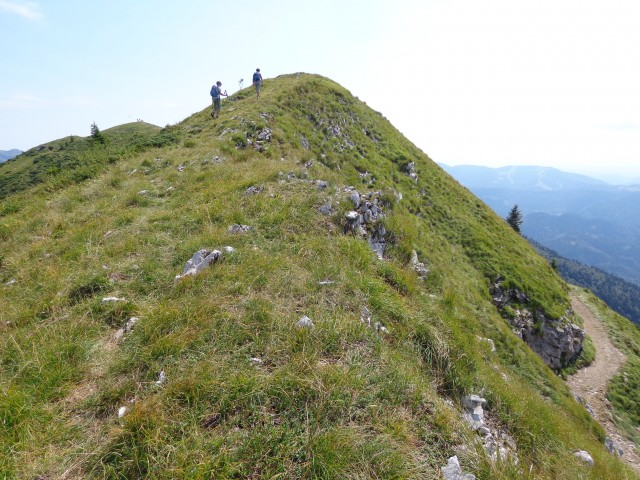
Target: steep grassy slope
(336, 401)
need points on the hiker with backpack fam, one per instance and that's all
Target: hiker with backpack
(257, 81)
(216, 94)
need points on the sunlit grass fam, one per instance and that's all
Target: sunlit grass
(337, 401)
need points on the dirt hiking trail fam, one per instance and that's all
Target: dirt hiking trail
(591, 383)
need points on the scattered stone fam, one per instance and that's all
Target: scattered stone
(170, 189)
(162, 377)
(498, 444)
(254, 190)
(325, 210)
(473, 411)
(354, 222)
(46, 255)
(13, 281)
(379, 328)
(322, 184)
(122, 411)
(264, 135)
(143, 192)
(181, 167)
(113, 299)
(586, 405)
(239, 229)
(453, 471)
(410, 169)
(500, 447)
(108, 234)
(256, 361)
(305, 322)
(585, 457)
(366, 177)
(128, 326)
(355, 198)
(229, 249)
(198, 262)
(365, 316)
(612, 447)
(308, 164)
(377, 241)
(326, 282)
(419, 267)
(132, 172)
(304, 142)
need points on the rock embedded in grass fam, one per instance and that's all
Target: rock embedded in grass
(585, 457)
(198, 262)
(239, 229)
(453, 471)
(113, 299)
(305, 322)
(473, 411)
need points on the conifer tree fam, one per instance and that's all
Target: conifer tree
(515, 218)
(96, 134)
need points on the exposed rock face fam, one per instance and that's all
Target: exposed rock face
(558, 342)
(365, 220)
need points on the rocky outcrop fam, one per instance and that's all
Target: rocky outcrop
(557, 341)
(366, 219)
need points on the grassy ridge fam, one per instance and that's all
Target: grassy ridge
(337, 401)
(75, 159)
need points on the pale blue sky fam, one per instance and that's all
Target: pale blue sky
(493, 83)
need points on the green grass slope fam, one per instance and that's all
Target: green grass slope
(338, 401)
(74, 159)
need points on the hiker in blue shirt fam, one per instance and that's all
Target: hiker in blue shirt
(257, 81)
(216, 93)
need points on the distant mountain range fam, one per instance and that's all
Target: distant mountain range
(579, 217)
(9, 154)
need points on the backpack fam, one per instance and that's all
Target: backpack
(257, 77)
(214, 91)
